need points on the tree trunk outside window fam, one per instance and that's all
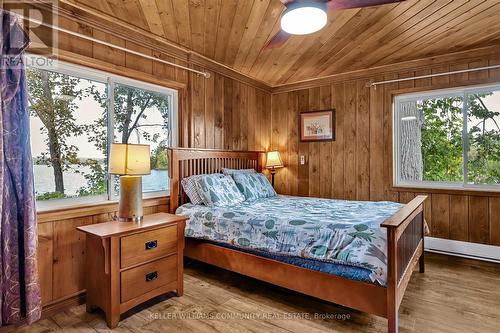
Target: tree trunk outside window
(49, 120)
(411, 141)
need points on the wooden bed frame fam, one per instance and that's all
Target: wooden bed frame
(405, 244)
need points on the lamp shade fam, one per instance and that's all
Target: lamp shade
(274, 160)
(129, 159)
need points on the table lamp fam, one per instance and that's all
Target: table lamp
(273, 162)
(130, 161)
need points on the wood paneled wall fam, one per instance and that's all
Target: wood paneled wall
(358, 164)
(227, 114)
(220, 112)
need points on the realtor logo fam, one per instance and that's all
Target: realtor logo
(37, 18)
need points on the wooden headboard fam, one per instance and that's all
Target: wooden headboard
(185, 162)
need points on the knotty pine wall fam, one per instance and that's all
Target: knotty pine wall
(358, 164)
(227, 114)
(219, 112)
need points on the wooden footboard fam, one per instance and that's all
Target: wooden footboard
(405, 249)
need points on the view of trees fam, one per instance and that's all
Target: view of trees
(442, 140)
(484, 142)
(131, 106)
(53, 99)
(442, 150)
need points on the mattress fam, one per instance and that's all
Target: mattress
(341, 270)
(338, 237)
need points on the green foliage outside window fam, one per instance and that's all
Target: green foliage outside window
(442, 140)
(52, 100)
(159, 158)
(483, 141)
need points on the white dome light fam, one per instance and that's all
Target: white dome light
(303, 20)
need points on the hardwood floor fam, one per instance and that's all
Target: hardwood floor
(454, 295)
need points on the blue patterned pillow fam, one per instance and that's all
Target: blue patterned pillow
(254, 185)
(218, 190)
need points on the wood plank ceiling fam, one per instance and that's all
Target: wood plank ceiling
(234, 32)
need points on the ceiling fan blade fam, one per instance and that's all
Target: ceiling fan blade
(277, 40)
(346, 4)
(286, 2)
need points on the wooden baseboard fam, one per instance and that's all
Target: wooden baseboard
(60, 305)
(50, 310)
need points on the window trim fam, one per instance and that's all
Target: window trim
(439, 185)
(109, 79)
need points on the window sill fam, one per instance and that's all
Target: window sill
(70, 203)
(74, 210)
(471, 191)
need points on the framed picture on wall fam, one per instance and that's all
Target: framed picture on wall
(317, 125)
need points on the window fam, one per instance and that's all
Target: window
(143, 116)
(448, 139)
(76, 113)
(69, 158)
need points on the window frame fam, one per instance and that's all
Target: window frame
(426, 94)
(110, 80)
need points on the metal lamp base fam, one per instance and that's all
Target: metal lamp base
(130, 206)
(273, 172)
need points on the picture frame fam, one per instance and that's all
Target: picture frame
(317, 125)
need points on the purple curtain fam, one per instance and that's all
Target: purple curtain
(19, 288)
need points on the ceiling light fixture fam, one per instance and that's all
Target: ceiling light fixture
(304, 18)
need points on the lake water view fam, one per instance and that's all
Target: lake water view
(44, 180)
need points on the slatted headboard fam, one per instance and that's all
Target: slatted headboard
(185, 162)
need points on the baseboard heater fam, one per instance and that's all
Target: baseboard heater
(463, 249)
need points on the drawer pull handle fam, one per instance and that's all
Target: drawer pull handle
(151, 276)
(151, 245)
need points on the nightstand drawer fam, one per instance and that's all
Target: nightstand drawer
(139, 280)
(138, 248)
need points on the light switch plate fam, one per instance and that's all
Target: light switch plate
(302, 160)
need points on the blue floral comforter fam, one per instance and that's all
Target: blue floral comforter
(340, 231)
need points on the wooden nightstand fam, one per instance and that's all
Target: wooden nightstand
(129, 263)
